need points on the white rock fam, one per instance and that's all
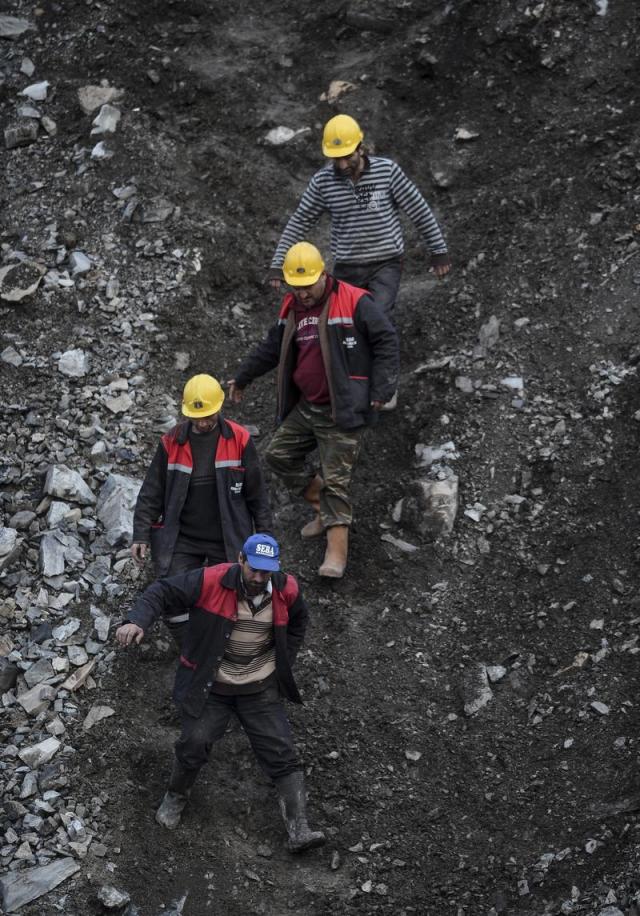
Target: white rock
(66, 630)
(57, 513)
(513, 381)
(101, 151)
(601, 708)
(477, 692)
(96, 714)
(495, 673)
(8, 539)
(27, 66)
(121, 404)
(74, 363)
(93, 97)
(11, 356)
(431, 454)
(116, 502)
(64, 483)
(38, 754)
(79, 263)
(106, 122)
(77, 655)
(403, 546)
(9, 547)
(12, 27)
(463, 134)
(51, 554)
(280, 135)
(37, 92)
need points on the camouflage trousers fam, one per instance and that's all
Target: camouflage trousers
(307, 427)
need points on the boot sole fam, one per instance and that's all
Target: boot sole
(331, 572)
(302, 847)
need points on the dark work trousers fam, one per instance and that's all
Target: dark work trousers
(263, 719)
(186, 557)
(380, 278)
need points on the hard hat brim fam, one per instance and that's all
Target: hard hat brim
(307, 280)
(198, 414)
(340, 152)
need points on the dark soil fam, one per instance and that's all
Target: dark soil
(551, 90)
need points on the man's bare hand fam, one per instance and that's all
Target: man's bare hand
(236, 394)
(139, 552)
(377, 405)
(129, 634)
(441, 270)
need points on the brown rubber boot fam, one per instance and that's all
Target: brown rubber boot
(335, 558)
(314, 528)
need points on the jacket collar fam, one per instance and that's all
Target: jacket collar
(232, 579)
(183, 429)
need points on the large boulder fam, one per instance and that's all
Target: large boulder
(116, 502)
(64, 483)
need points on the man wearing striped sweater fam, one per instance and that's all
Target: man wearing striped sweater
(363, 196)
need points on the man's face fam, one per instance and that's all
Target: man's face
(255, 580)
(308, 296)
(349, 165)
(204, 424)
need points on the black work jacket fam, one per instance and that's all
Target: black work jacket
(242, 494)
(211, 597)
(359, 350)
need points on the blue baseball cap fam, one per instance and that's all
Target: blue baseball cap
(262, 552)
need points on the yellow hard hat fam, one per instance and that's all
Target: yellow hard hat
(303, 265)
(202, 396)
(341, 136)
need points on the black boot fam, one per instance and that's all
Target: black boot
(293, 805)
(176, 796)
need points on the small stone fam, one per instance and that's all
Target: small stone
(182, 361)
(464, 384)
(280, 135)
(77, 655)
(27, 66)
(463, 134)
(37, 92)
(495, 673)
(11, 356)
(21, 520)
(79, 263)
(39, 754)
(101, 151)
(96, 714)
(106, 122)
(121, 404)
(476, 689)
(601, 708)
(74, 363)
(413, 756)
(93, 97)
(12, 27)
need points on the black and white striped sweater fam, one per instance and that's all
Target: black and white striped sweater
(365, 222)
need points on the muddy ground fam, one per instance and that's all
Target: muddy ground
(540, 209)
